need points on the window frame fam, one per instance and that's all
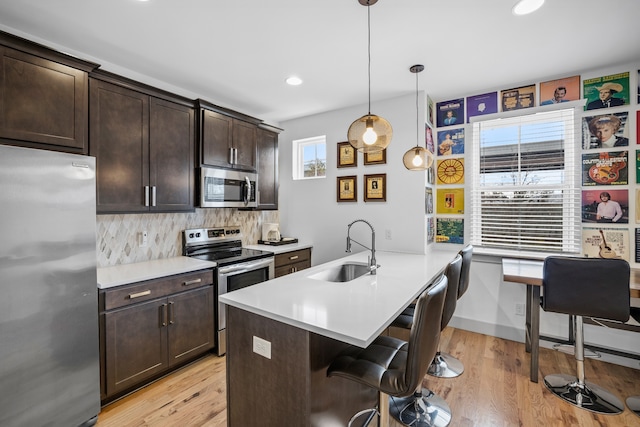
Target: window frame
(298, 156)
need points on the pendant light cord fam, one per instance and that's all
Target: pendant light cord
(369, 50)
(417, 115)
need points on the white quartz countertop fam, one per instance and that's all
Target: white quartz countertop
(354, 312)
(123, 274)
(281, 248)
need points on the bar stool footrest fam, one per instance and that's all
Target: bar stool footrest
(445, 365)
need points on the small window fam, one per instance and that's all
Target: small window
(310, 158)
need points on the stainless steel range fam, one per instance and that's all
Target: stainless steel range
(237, 268)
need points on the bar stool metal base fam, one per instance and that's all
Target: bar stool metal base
(590, 396)
(571, 349)
(445, 366)
(422, 409)
(633, 403)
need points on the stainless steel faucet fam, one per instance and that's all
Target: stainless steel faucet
(372, 260)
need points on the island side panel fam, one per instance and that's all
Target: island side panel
(292, 387)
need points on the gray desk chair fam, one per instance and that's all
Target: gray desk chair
(395, 367)
(585, 287)
(633, 402)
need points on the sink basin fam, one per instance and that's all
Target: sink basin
(342, 273)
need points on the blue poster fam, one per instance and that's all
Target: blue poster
(478, 105)
(450, 112)
(451, 141)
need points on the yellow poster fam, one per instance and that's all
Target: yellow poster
(450, 201)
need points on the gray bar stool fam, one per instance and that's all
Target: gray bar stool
(591, 287)
(395, 367)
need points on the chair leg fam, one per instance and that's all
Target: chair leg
(579, 392)
(633, 403)
(445, 366)
(422, 409)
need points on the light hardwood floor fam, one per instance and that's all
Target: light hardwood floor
(494, 390)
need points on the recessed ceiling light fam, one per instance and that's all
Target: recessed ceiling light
(524, 7)
(293, 81)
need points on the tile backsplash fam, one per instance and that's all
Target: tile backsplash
(117, 237)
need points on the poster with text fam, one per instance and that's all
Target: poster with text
(560, 90)
(518, 98)
(605, 131)
(450, 112)
(451, 142)
(450, 201)
(608, 168)
(431, 111)
(607, 91)
(479, 105)
(431, 230)
(605, 243)
(428, 200)
(637, 166)
(605, 206)
(637, 205)
(450, 230)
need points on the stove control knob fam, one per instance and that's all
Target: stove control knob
(191, 235)
(197, 234)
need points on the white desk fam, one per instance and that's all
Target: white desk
(529, 272)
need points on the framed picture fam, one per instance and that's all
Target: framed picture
(347, 156)
(518, 98)
(561, 90)
(379, 158)
(347, 188)
(375, 188)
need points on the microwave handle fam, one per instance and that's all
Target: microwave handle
(247, 192)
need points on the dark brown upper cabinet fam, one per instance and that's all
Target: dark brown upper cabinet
(228, 139)
(144, 148)
(267, 195)
(43, 97)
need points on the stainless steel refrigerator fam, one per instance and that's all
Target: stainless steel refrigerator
(49, 363)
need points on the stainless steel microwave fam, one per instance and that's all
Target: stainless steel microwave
(222, 188)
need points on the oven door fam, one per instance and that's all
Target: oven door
(237, 276)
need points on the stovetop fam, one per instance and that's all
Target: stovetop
(220, 244)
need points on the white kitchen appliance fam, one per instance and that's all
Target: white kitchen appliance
(270, 232)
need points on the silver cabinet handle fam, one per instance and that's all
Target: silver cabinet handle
(146, 195)
(153, 195)
(231, 155)
(140, 294)
(164, 314)
(294, 257)
(171, 319)
(235, 156)
(191, 282)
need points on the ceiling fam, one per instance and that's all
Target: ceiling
(237, 53)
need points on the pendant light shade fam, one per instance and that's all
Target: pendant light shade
(369, 133)
(417, 158)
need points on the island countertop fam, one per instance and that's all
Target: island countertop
(355, 312)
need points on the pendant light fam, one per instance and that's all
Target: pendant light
(417, 158)
(369, 133)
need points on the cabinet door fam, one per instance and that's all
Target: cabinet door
(267, 170)
(119, 132)
(136, 344)
(245, 142)
(171, 151)
(191, 324)
(42, 101)
(216, 136)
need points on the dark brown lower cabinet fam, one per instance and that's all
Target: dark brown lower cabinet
(292, 261)
(143, 340)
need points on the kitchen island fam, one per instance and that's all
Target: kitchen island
(283, 333)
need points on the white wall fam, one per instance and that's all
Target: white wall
(308, 208)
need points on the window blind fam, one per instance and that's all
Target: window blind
(526, 182)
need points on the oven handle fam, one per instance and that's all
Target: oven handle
(243, 267)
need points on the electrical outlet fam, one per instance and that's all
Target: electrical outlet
(262, 347)
(520, 309)
(143, 238)
(387, 234)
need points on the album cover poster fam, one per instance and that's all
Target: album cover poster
(428, 136)
(605, 243)
(638, 89)
(637, 244)
(605, 206)
(451, 142)
(450, 230)
(479, 105)
(638, 127)
(431, 230)
(431, 111)
(518, 98)
(428, 200)
(560, 90)
(608, 168)
(607, 91)
(637, 166)
(605, 131)
(450, 112)
(450, 201)
(637, 205)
